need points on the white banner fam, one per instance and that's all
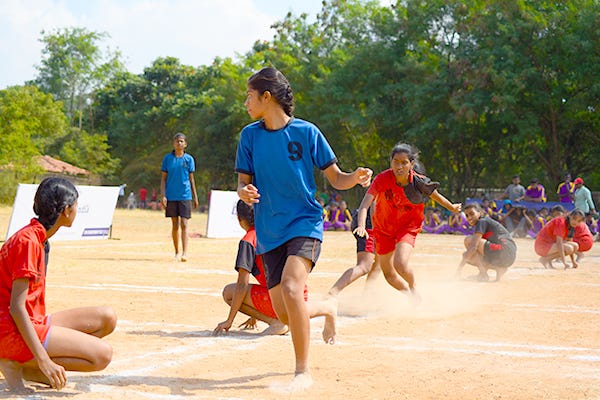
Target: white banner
(222, 215)
(95, 209)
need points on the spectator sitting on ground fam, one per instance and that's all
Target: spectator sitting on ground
(515, 191)
(535, 192)
(457, 223)
(432, 223)
(338, 218)
(535, 222)
(592, 224)
(488, 208)
(543, 212)
(556, 211)
(513, 220)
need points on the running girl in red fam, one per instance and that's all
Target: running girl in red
(35, 346)
(399, 194)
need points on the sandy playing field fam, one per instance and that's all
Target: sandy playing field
(535, 335)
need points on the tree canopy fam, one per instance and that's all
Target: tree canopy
(485, 89)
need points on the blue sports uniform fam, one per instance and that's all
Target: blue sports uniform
(282, 165)
(178, 171)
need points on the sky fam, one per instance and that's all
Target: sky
(194, 31)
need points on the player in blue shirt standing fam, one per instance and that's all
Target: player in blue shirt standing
(179, 190)
(275, 163)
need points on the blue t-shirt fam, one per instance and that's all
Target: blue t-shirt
(282, 165)
(178, 171)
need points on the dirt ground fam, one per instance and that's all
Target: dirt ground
(534, 335)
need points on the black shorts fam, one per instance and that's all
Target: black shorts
(274, 260)
(500, 255)
(179, 208)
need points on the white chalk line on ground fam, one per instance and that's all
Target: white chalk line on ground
(202, 346)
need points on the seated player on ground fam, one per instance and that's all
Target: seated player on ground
(248, 298)
(551, 242)
(489, 247)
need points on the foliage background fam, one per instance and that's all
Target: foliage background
(485, 89)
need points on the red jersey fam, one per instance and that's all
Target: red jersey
(583, 237)
(545, 238)
(248, 259)
(23, 256)
(394, 212)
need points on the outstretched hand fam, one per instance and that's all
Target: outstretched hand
(363, 175)
(455, 208)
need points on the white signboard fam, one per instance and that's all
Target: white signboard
(95, 209)
(222, 215)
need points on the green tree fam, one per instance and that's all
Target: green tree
(73, 66)
(30, 121)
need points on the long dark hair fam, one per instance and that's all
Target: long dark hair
(53, 195)
(271, 80)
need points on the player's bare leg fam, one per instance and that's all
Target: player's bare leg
(364, 262)
(184, 239)
(327, 308)
(13, 374)
(500, 271)
(175, 235)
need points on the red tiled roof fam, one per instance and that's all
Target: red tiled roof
(53, 165)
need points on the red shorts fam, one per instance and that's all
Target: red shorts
(542, 248)
(13, 347)
(385, 244)
(585, 242)
(262, 301)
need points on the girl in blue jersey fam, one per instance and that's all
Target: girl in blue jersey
(275, 163)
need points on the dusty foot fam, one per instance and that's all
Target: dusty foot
(300, 383)
(13, 374)
(329, 329)
(414, 297)
(276, 328)
(547, 263)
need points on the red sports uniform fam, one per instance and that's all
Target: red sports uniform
(583, 237)
(396, 218)
(252, 263)
(23, 256)
(547, 236)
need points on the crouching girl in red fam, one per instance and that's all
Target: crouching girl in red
(35, 346)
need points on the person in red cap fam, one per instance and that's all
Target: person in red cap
(583, 198)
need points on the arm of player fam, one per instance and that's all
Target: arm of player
(361, 217)
(163, 188)
(444, 202)
(54, 372)
(346, 180)
(194, 192)
(239, 293)
(246, 191)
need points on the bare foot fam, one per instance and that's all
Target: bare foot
(329, 329)
(13, 374)
(499, 273)
(300, 383)
(414, 297)
(547, 263)
(276, 328)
